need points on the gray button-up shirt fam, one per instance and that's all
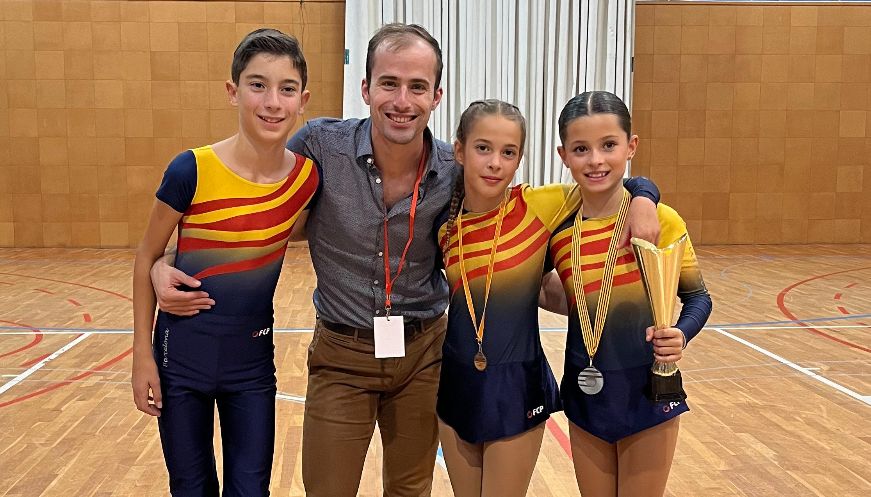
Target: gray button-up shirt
(345, 227)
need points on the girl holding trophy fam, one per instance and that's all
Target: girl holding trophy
(496, 388)
(622, 441)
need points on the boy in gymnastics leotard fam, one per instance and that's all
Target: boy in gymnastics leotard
(235, 204)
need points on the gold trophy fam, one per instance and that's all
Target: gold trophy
(660, 272)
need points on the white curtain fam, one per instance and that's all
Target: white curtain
(536, 54)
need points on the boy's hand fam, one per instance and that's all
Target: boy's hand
(667, 344)
(166, 279)
(642, 222)
(145, 379)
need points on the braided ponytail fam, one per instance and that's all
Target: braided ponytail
(476, 110)
(453, 211)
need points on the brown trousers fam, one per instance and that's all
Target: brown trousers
(349, 390)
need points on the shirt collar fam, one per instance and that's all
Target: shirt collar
(435, 158)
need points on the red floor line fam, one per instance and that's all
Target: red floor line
(31, 362)
(560, 436)
(69, 283)
(851, 285)
(837, 296)
(69, 381)
(786, 312)
(37, 337)
(43, 290)
(843, 311)
(87, 317)
(71, 301)
(66, 382)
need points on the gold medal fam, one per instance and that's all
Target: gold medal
(480, 360)
(590, 380)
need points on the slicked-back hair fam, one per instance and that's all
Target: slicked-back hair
(272, 42)
(396, 36)
(594, 102)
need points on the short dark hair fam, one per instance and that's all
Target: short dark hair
(396, 36)
(594, 102)
(269, 41)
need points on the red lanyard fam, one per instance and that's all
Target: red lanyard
(388, 281)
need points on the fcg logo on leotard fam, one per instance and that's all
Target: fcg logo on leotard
(261, 333)
(666, 408)
(165, 347)
(531, 414)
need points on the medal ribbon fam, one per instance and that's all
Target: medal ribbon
(388, 281)
(479, 327)
(592, 336)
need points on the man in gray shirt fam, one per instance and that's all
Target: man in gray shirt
(384, 181)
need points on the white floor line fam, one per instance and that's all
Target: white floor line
(866, 399)
(14, 381)
(119, 332)
(282, 331)
(805, 327)
(293, 398)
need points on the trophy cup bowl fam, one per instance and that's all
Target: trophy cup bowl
(660, 273)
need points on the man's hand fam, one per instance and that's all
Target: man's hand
(145, 380)
(166, 279)
(642, 222)
(667, 344)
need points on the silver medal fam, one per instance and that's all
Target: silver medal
(590, 381)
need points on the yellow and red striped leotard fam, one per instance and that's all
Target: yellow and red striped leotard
(233, 232)
(517, 390)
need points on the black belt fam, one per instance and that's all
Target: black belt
(412, 327)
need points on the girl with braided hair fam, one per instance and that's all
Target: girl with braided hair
(496, 388)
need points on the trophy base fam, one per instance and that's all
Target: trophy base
(666, 388)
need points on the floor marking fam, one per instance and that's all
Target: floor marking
(791, 321)
(293, 398)
(837, 386)
(17, 330)
(42, 363)
(781, 304)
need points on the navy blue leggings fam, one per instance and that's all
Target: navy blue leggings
(203, 364)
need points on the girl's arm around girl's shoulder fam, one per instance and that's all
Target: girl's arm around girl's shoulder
(553, 203)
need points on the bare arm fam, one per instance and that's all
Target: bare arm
(145, 380)
(552, 297)
(297, 233)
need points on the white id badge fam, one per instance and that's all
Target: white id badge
(389, 337)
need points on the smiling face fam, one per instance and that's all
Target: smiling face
(401, 93)
(595, 150)
(269, 98)
(490, 156)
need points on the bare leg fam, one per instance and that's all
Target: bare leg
(509, 463)
(645, 460)
(595, 463)
(465, 462)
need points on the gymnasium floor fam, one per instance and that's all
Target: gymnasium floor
(779, 382)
